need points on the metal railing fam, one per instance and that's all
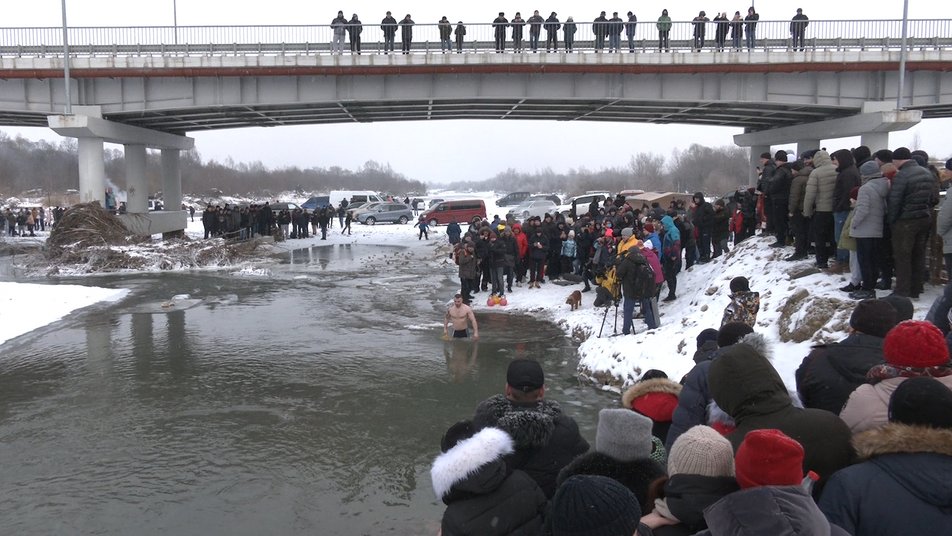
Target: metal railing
(927, 34)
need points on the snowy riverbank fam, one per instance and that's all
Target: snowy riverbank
(786, 298)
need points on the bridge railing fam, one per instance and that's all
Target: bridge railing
(479, 38)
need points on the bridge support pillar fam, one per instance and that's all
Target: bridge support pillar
(875, 140)
(137, 186)
(804, 145)
(92, 171)
(171, 179)
(755, 152)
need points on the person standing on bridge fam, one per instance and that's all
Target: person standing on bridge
(721, 26)
(552, 27)
(446, 30)
(354, 27)
(630, 31)
(615, 27)
(569, 32)
(737, 30)
(600, 29)
(750, 21)
(535, 28)
(460, 34)
(500, 24)
(664, 28)
(389, 27)
(517, 24)
(700, 27)
(339, 28)
(798, 29)
(406, 33)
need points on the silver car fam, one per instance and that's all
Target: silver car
(534, 207)
(385, 212)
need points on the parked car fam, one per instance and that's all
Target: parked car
(534, 207)
(318, 201)
(512, 198)
(458, 210)
(583, 201)
(385, 212)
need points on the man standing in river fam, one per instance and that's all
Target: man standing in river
(461, 315)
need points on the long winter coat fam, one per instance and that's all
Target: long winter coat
(636, 475)
(747, 387)
(831, 372)
(773, 510)
(868, 406)
(903, 487)
(869, 216)
(483, 495)
(847, 178)
(820, 185)
(546, 439)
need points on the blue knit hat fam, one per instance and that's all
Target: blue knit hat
(590, 505)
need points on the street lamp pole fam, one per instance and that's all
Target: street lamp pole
(175, 18)
(902, 54)
(69, 103)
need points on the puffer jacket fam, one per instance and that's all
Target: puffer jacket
(546, 439)
(820, 185)
(944, 224)
(827, 377)
(913, 193)
(903, 487)
(847, 178)
(746, 386)
(868, 406)
(869, 216)
(798, 190)
(483, 495)
(773, 510)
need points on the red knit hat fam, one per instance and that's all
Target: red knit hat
(768, 458)
(649, 228)
(915, 343)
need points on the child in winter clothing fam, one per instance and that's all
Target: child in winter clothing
(744, 304)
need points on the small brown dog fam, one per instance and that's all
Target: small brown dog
(574, 299)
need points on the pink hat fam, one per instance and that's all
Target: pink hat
(608, 232)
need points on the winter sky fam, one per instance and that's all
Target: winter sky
(440, 151)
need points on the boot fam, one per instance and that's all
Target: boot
(670, 297)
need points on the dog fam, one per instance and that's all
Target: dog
(574, 299)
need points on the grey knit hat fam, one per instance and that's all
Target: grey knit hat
(623, 434)
(701, 451)
(869, 169)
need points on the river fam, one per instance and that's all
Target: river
(306, 400)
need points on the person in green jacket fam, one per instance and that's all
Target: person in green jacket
(664, 28)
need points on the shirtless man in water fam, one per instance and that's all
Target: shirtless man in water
(461, 315)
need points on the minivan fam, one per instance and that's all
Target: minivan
(460, 211)
(512, 199)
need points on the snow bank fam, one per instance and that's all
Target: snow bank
(45, 304)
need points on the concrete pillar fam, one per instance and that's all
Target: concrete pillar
(136, 183)
(171, 179)
(755, 152)
(92, 171)
(875, 140)
(804, 145)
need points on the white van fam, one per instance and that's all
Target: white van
(353, 196)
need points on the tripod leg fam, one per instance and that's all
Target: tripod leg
(603, 322)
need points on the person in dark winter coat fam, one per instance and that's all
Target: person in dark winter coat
(704, 222)
(912, 195)
(831, 372)
(772, 500)
(779, 195)
(847, 178)
(695, 402)
(720, 229)
(700, 472)
(746, 386)
(483, 495)
(546, 439)
(904, 484)
(623, 449)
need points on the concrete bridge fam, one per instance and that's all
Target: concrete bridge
(151, 94)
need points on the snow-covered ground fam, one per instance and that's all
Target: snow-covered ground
(702, 295)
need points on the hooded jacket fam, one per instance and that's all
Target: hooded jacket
(798, 190)
(484, 496)
(820, 185)
(773, 510)
(545, 439)
(903, 487)
(748, 388)
(656, 399)
(847, 178)
(827, 377)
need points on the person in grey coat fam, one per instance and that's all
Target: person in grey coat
(867, 227)
(944, 229)
(818, 205)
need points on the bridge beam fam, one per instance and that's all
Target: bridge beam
(882, 122)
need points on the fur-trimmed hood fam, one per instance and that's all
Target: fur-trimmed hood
(654, 385)
(529, 426)
(896, 438)
(470, 457)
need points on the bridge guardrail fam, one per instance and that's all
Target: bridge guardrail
(316, 39)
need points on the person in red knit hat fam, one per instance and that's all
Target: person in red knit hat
(773, 498)
(912, 349)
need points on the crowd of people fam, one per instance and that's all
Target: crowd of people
(863, 446)
(243, 222)
(26, 221)
(604, 30)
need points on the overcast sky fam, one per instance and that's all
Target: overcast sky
(438, 151)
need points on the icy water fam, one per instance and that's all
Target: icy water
(308, 401)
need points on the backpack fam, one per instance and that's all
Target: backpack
(643, 285)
